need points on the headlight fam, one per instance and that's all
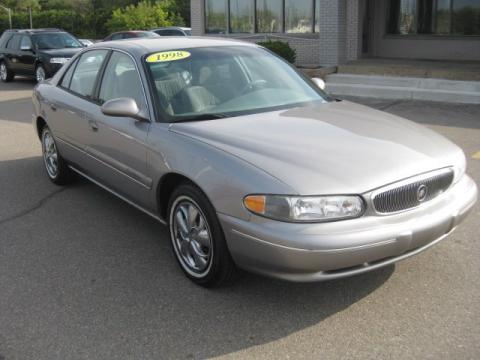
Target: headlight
(305, 208)
(459, 169)
(58, 60)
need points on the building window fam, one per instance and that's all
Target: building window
(438, 17)
(269, 16)
(298, 16)
(261, 16)
(242, 16)
(466, 17)
(216, 16)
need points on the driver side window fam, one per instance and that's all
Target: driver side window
(25, 43)
(121, 79)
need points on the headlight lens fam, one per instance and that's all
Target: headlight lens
(58, 60)
(459, 169)
(305, 208)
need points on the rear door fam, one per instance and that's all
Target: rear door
(26, 55)
(119, 143)
(67, 110)
(11, 54)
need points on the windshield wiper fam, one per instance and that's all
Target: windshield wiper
(201, 117)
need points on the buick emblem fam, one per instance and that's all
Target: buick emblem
(422, 193)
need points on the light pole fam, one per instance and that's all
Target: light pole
(9, 14)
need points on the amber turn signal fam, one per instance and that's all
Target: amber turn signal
(255, 203)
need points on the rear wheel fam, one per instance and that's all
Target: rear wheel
(197, 238)
(56, 167)
(6, 75)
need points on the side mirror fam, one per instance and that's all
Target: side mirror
(123, 107)
(319, 82)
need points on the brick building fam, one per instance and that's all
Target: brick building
(332, 32)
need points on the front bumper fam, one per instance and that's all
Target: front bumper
(322, 251)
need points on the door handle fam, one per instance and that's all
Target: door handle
(93, 125)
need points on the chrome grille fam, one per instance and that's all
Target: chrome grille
(409, 193)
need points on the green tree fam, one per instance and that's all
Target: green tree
(145, 15)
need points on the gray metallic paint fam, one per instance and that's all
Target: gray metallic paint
(326, 148)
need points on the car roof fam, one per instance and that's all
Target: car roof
(34, 31)
(142, 46)
(172, 28)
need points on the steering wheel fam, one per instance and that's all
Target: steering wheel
(257, 84)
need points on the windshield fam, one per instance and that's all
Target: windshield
(56, 41)
(216, 82)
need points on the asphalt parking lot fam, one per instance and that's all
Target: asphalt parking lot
(85, 276)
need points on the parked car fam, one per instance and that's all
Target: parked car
(130, 34)
(248, 168)
(173, 31)
(86, 42)
(39, 52)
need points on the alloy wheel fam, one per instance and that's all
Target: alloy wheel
(191, 237)
(3, 71)
(50, 154)
(40, 74)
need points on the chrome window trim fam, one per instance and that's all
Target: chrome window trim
(110, 49)
(139, 75)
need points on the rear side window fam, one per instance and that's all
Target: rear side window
(68, 75)
(86, 71)
(4, 38)
(121, 79)
(14, 42)
(169, 32)
(116, 37)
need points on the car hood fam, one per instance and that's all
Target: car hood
(66, 53)
(329, 148)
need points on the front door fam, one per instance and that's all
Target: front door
(118, 144)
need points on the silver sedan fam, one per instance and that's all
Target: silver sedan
(249, 163)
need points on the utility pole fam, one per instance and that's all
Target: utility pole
(30, 11)
(9, 14)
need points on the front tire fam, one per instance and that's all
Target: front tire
(40, 73)
(56, 167)
(6, 75)
(197, 238)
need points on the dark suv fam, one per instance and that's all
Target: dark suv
(39, 52)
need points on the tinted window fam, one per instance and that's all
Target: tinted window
(298, 16)
(269, 16)
(116, 37)
(442, 17)
(14, 42)
(466, 17)
(216, 16)
(85, 74)
(4, 39)
(145, 34)
(68, 75)
(241, 16)
(169, 32)
(56, 41)
(121, 79)
(25, 43)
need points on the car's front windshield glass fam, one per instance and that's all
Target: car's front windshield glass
(217, 82)
(56, 41)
